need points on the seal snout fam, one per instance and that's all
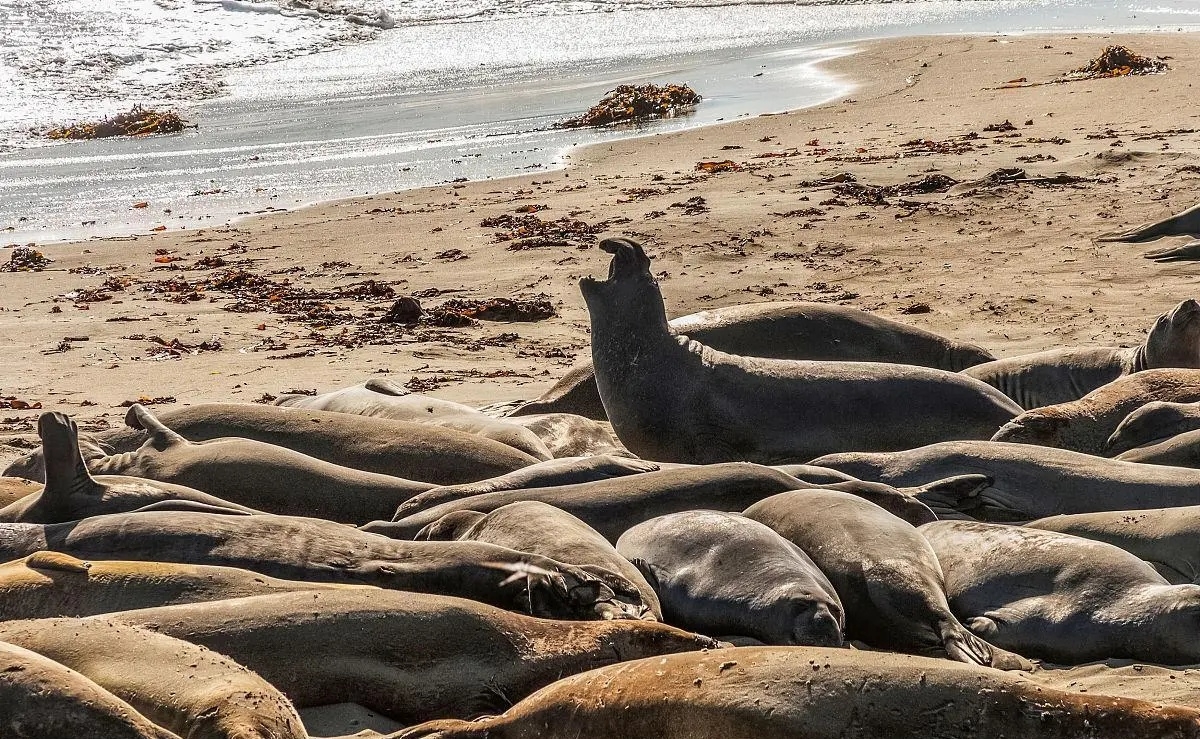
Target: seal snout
(629, 259)
(819, 627)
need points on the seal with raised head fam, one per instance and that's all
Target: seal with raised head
(1151, 424)
(1063, 598)
(252, 473)
(296, 548)
(724, 574)
(1063, 375)
(409, 656)
(815, 693)
(386, 399)
(539, 528)
(41, 699)
(1085, 425)
(1166, 538)
(781, 330)
(52, 584)
(673, 399)
(883, 570)
(176, 684)
(1023, 482)
(71, 493)
(399, 448)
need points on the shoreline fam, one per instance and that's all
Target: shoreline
(1011, 268)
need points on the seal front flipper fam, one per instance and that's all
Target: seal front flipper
(56, 562)
(386, 387)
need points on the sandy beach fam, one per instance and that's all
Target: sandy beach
(294, 301)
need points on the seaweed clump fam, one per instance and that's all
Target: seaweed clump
(1118, 61)
(630, 103)
(138, 121)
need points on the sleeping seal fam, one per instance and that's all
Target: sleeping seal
(1063, 598)
(814, 693)
(71, 493)
(1166, 538)
(884, 571)
(409, 656)
(177, 685)
(41, 699)
(1024, 482)
(724, 574)
(386, 399)
(1063, 375)
(676, 400)
(1085, 425)
(781, 330)
(539, 528)
(1152, 423)
(1177, 451)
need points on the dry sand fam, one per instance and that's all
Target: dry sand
(1013, 268)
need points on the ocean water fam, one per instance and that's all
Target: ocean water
(299, 101)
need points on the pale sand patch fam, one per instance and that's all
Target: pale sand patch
(1013, 268)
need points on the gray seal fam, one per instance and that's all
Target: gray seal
(1152, 423)
(724, 574)
(1063, 598)
(676, 400)
(1063, 375)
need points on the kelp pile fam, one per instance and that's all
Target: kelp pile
(630, 103)
(1118, 61)
(138, 121)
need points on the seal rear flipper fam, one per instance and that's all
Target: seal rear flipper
(441, 729)
(161, 437)
(66, 472)
(1186, 223)
(1189, 252)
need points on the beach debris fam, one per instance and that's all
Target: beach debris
(147, 400)
(1000, 127)
(406, 311)
(1018, 176)
(727, 165)
(692, 206)
(629, 103)
(11, 402)
(916, 308)
(865, 194)
(1118, 61)
(501, 309)
(138, 121)
(451, 255)
(527, 231)
(175, 349)
(25, 259)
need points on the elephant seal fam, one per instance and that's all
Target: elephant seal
(386, 399)
(1025, 482)
(884, 571)
(398, 448)
(551, 473)
(409, 656)
(814, 693)
(571, 435)
(724, 574)
(613, 506)
(1063, 598)
(673, 399)
(1085, 425)
(71, 493)
(781, 330)
(178, 685)
(1166, 538)
(267, 477)
(1064, 375)
(1152, 423)
(41, 699)
(1182, 450)
(307, 549)
(52, 584)
(538, 528)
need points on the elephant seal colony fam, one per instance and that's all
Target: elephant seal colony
(231, 571)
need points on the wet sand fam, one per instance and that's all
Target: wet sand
(1013, 267)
